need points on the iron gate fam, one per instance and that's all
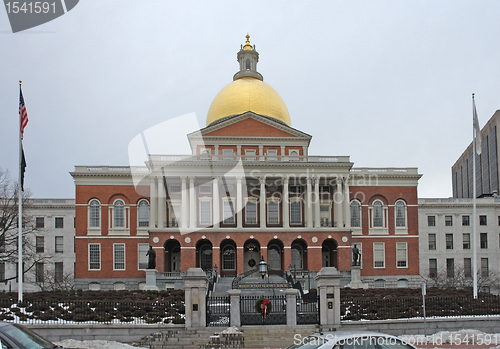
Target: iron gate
(250, 315)
(218, 311)
(307, 311)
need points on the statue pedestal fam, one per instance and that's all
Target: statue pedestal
(151, 280)
(356, 278)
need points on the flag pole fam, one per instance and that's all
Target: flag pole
(474, 232)
(20, 214)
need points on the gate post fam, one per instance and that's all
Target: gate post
(291, 306)
(235, 316)
(328, 283)
(195, 289)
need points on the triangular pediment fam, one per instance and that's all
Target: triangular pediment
(253, 126)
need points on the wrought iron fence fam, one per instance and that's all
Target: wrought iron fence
(218, 311)
(307, 311)
(251, 311)
(104, 312)
(397, 308)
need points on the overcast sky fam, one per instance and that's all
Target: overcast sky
(388, 83)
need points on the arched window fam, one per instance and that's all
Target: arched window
(143, 214)
(402, 283)
(94, 214)
(119, 214)
(248, 64)
(378, 214)
(206, 257)
(355, 214)
(229, 258)
(400, 214)
(296, 257)
(379, 283)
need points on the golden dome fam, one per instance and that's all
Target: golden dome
(248, 94)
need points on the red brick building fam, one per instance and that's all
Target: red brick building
(249, 189)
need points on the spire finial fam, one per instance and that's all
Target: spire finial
(247, 43)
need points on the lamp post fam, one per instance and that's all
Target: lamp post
(262, 267)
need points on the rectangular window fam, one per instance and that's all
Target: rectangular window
(250, 155)
(94, 256)
(466, 221)
(432, 268)
(431, 221)
(273, 212)
(450, 267)
(40, 222)
(295, 189)
(324, 189)
(484, 267)
(483, 220)
(142, 249)
(379, 255)
(59, 244)
(205, 189)
(205, 212)
(449, 241)
(228, 154)
(58, 271)
(228, 211)
(251, 212)
(324, 215)
(401, 254)
(448, 221)
(119, 256)
(432, 241)
(484, 240)
(39, 272)
(466, 241)
(467, 267)
(174, 189)
(59, 222)
(272, 154)
(296, 212)
(40, 244)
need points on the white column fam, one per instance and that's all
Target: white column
(162, 203)
(154, 202)
(184, 204)
(304, 151)
(308, 203)
(262, 202)
(215, 203)
(216, 151)
(239, 204)
(238, 152)
(316, 203)
(347, 204)
(261, 151)
(286, 205)
(192, 204)
(338, 199)
(282, 157)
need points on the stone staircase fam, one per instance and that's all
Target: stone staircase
(280, 336)
(222, 286)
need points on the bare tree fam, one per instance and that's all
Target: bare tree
(461, 278)
(53, 280)
(9, 222)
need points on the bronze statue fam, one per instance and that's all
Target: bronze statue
(356, 256)
(152, 258)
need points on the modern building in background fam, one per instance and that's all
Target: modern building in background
(248, 190)
(487, 177)
(445, 227)
(52, 245)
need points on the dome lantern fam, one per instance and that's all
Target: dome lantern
(248, 92)
(248, 58)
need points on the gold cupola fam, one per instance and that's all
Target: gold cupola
(248, 92)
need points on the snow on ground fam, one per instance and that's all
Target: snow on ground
(95, 344)
(462, 337)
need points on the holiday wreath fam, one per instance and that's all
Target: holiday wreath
(263, 306)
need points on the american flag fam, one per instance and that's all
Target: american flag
(22, 112)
